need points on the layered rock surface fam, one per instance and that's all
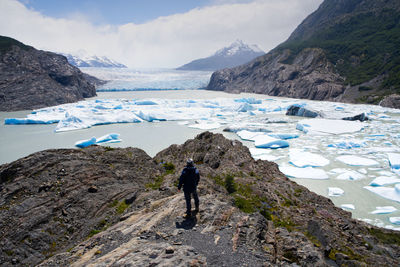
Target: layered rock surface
(31, 78)
(111, 207)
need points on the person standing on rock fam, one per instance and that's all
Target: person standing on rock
(190, 178)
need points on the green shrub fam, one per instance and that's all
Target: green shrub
(230, 185)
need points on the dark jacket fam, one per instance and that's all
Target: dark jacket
(190, 178)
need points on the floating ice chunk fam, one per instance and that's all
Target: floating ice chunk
(250, 100)
(347, 144)
(395, 220)
(384, 210)
(249, 127)
(145, 102)
(148, 116)
(306, 159)
(392, 193)
(394, 160)
(348, 207)
(259, 151)
(329, 126)
(205, 125)
(17, 121)
(283, 136)
(70, 123)
(304, 173)
(183, 122)
(265, 141)
(108, 138)
(351, 176)
(384, 180)
(85, 143)
(245, 107)
(356, 161)
(248, 135)
(335, 191)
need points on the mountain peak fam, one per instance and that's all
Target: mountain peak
(236, 54)
(83, 59)
(238, 47)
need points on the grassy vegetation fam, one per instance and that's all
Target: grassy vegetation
(6, 43)
(386, 238)
(362, 47)
(156, 184)
(122, 206)
(169, 167)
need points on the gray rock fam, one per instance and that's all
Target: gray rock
(359, 117)
(31, 78)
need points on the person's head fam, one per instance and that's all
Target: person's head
(189, 162)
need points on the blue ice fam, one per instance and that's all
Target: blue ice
(85, 143)
(250, 100)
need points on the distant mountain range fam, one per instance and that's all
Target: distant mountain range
(84, 60)
(347, 51)
(234, 55)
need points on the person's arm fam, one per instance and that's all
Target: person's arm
(181, 180)
(197, 177)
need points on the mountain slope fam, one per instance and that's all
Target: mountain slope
(358, 42)
(31, 78)
(92, 61)
(119, 207)
(236, 54)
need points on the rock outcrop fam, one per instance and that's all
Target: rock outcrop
(118, 207)
(31, 78)
(331, 56)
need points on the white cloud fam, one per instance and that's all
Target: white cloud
(166, 41)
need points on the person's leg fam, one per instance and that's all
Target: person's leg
(196, 200)
(188, 204)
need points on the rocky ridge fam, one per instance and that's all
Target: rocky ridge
(102, 206)
(31, 78)
(345, 51)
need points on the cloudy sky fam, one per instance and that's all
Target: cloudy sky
(151, 33)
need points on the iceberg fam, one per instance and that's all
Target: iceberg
(303, 159)
(108, 138)
(394, 160)
(335, 191)
(205, 125)
(384, 210)
(391, 193)
(347, 144)
(265, 141)
(284, 136)
(85, 143)
(395, 220)
(70, 123)
(250, 100)
(145, 103)
(351, 176)
(384, 180)
(304, 173)
(326, 126)
(17, 121)
(348, 207)
(248, 135)
(357, 161)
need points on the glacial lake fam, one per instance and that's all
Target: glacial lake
(378, 137)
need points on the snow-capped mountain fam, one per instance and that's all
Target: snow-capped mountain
(236, 54)
(83, 60)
